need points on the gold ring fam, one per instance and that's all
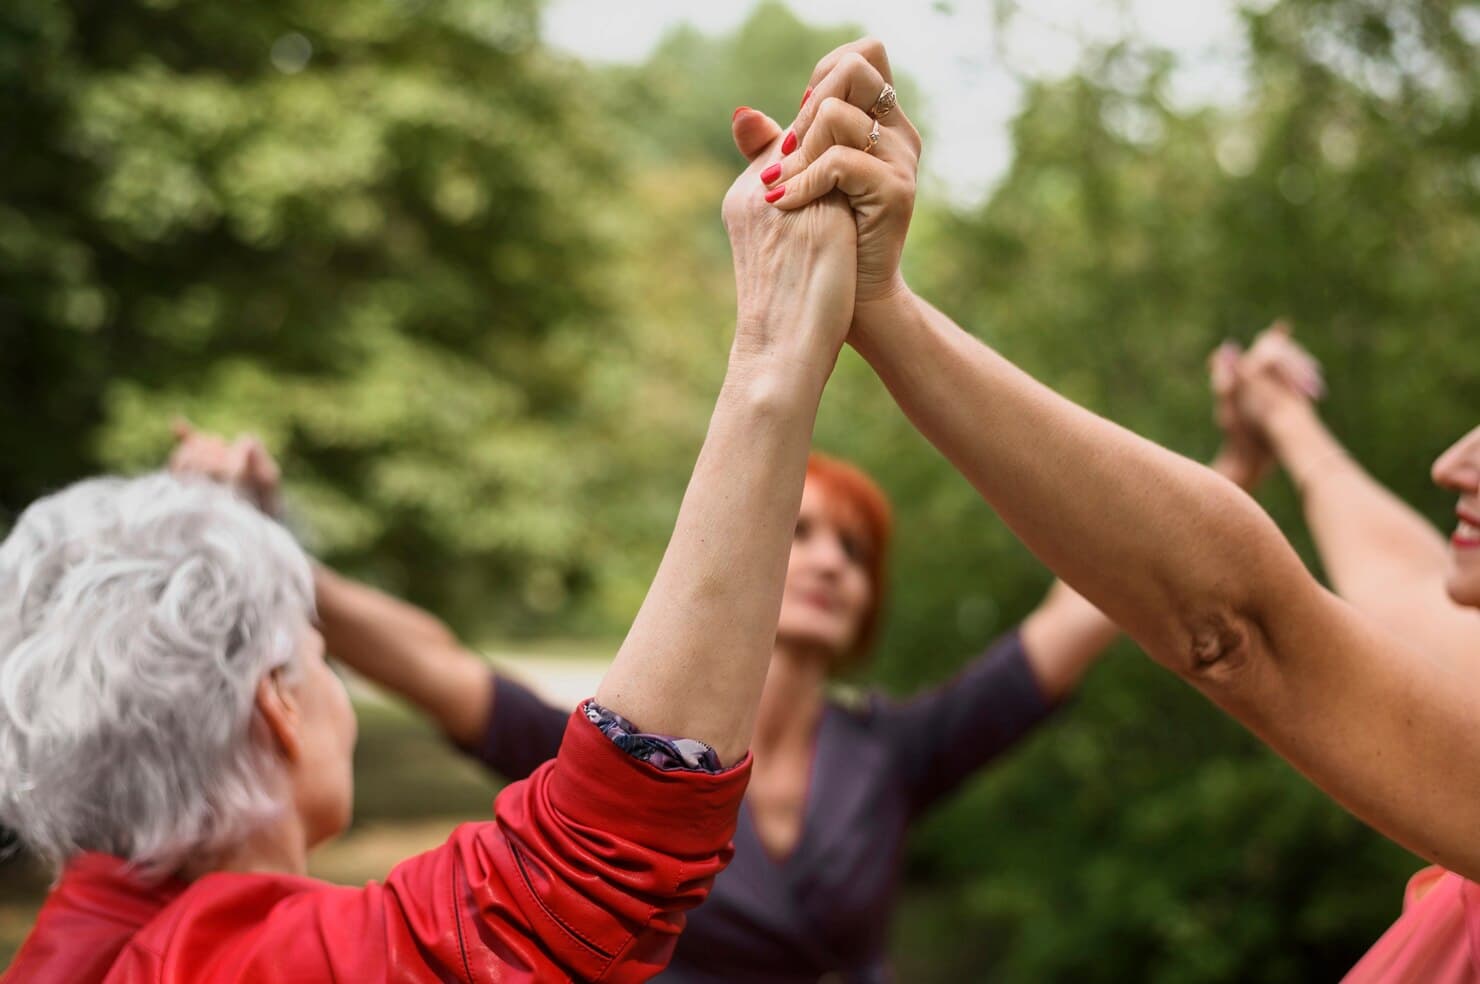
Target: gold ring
(873, 138)
(884, 105)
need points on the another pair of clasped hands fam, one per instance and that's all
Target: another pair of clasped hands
(817, 222)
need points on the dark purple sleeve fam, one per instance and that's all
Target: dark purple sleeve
(522, 732)
(943, 735)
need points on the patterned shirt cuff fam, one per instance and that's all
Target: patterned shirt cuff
(659, 751)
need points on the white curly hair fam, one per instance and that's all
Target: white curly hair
(137, 617)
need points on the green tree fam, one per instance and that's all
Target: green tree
(360, 231)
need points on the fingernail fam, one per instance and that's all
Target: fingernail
(790, 143)
(774, 195)
(771, 173)
(805, 96)
(736, 115)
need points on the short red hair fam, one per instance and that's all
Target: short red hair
(856, 502)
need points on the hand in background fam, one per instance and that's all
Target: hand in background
(1248, 389)
(244, 464)
(1276, 372)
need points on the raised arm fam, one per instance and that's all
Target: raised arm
(1379, 553)
(1179, 557)
(407, 651)
(695, 659)
(1204, 582)
(1062, 639)
(395, 644)
(1066, 634)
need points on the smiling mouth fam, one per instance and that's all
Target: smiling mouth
(1467, 533)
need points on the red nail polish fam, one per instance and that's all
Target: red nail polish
(790, 143)
(736, 115)
(805, 96)
(774, 195)
(771, 174)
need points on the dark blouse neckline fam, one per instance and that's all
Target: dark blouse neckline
(809, 797)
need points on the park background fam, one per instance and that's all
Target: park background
(473, 290)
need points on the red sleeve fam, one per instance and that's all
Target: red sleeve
(586, 873)
(601, 855)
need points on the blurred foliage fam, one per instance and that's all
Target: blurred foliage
(477, 294)
(357, 230)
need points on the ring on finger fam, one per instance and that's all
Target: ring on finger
(884, 105)
(873, 138)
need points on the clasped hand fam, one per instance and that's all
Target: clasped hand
(818, 219)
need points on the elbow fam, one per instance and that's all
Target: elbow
(440, 633)
(1220, 640)
(1218, 649)
(1228, 658)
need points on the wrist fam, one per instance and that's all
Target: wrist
(1292, 431)
(882, 318)
(777, 376)
(798, 338)
(871, 294)
(1304, 446)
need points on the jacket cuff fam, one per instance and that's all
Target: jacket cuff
(682, 810)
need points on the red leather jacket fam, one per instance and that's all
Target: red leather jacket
(584, 873)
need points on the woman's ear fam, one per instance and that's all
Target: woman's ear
(275, 704)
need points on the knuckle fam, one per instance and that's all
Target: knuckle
(836, 162)
(854, 62)
(870, 48)
(832, 110)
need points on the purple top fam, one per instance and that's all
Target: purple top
(826, 907)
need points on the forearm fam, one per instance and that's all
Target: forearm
(1063, 637)
(405, 650)
(1380, 555)
(695, 659)
(1092, 500)
(1367, 537)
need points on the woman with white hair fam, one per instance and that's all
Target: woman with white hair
(173, 740)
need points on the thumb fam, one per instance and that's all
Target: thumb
(1223, 368)
(261, 467)
(753, 131)
(181, 428)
